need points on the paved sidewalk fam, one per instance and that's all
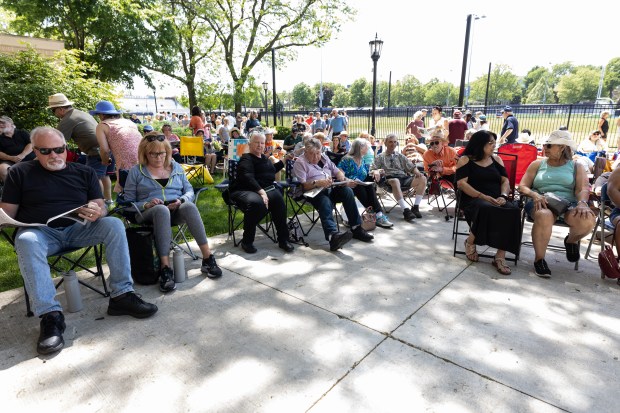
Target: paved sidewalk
(396, 325)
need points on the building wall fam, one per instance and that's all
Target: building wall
(11, 44)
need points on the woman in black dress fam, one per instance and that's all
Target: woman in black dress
(254, 191)
(483, 182)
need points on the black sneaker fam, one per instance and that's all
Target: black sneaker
(286, 246)
(209, 267)
(416, 211)
(572, 250)
(409, 216)
(131, 304)
(50, 338)
(249, 248)
(338, 239)
(166, 280)
(361, 234)
(542, 270)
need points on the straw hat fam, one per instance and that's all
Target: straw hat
(57, 101)
(561, 137)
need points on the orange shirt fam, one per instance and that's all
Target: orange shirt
(447, 155)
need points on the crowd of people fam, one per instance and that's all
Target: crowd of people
(327, 166)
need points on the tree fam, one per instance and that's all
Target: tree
(407, 92)
(612, 76)
(579, 86)
(27, 80)
(360, 95)
(248, 30)
(504, 87)
(437, 93)
(302, 96)
(109, 35)
(342, 97)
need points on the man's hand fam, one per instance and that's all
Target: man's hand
(91, 212)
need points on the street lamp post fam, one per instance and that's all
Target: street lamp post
(471, 52)
(266, 88)
(375, 53)
(465, 57)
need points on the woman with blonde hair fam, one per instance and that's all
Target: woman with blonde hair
(414, 126)
(603, 124)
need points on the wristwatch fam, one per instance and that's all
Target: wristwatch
(504, 196)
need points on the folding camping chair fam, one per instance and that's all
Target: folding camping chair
(442, 192)
(67, 256)
(603, 227)
(526, 155)
(192, 147)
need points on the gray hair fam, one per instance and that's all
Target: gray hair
(313, 144)
(391, 135)
(44, 130)
(256, 133)
(356, 147)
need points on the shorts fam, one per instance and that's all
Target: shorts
(529, 208)
(615, 213)
(102, 170)
(405, 181)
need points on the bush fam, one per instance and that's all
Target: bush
(283, 132)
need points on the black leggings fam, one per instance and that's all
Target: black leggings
(367, 196)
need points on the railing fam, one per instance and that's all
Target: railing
(580, 119)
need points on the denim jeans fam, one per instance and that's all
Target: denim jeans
(324, 203)
(34, 244)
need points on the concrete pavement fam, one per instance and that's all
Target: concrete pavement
(396, 325)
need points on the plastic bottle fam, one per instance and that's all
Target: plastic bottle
(178, 264)
(72, 292)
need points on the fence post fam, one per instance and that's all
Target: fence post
(369, 116)
(570, 112)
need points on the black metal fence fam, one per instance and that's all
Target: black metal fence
(580, 119)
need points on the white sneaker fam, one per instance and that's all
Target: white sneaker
(384, 222)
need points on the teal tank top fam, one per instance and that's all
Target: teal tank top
(557, 179)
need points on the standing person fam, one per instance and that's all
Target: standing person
(337, 124)
(399, 173)
(81, 128)
(510, 128)
(603, 124)
(438, 121)
(255, 192)
(319, 124)
(413, 128)
(15, 146)
(45, 187)
(354, 167)
(471, 121)
(456, 128)
(196, 122)
(483, 124)
(424, 112)
(117, 137)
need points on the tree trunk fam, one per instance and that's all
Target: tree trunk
(238, 95)
(191, 94)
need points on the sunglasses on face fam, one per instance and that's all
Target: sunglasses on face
(549, 145)
(47, 151)
(433, 143)
(159, 138)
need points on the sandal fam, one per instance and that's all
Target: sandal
(502, 267)
(470, 251)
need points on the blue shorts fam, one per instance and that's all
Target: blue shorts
(615, 213)
(529, 208)
(102, 170)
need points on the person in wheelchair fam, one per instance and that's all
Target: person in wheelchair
(254, 191)
(354, 167)
(557, 188)
(399, 172)
(164, 197)
(484, 186)
(48, 186)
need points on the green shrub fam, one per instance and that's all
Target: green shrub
(283, 132)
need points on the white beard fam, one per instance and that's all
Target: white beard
(55, 165)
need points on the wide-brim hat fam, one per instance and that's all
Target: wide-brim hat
(57, 101)
(561, 137)
(235, 129)
(104, 107)
(437, 133)
(524, 138)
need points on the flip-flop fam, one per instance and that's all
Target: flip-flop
(470, 251)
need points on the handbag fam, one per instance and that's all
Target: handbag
(369, 219)
(556, 204)
(607, 260)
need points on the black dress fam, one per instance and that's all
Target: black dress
(495, 226)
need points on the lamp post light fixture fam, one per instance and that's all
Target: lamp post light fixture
(375, 53)
(266, 88)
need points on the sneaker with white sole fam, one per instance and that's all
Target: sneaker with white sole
(384, 222)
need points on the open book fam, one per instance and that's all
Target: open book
(7, 221)
(315, 191)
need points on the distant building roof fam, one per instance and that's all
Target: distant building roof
(11, 44)
(146, 104)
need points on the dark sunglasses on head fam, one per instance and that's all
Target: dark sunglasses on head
(159, 138)
(47, 151)
(433, 143)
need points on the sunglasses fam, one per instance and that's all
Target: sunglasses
(159, 138)
(156, 155)
(549, 145)
(433, 143)
(47, 151)
(596, 133)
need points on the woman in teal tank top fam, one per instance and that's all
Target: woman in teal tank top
(557, 174)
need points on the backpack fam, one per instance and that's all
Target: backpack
(144, 259)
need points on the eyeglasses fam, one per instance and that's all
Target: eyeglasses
(156, 155)
(159, 138)
(549, 145)
(47, 151)
(433, 143)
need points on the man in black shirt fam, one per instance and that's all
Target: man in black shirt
(48, 186)
(15, 146)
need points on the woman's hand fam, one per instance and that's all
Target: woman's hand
(582, 211)
(174, 205)
(324, 183)
(152, 203)
(539, 202)
(491, 200)
(351, 183)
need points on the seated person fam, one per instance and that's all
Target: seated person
(293, 139)
(175, 141)
(354, 167)
(314, 170)
(299, 147)
(594, 143)
(525, 136)
(236, 134)
(557, 173)
(413, 150)
(209, 151)
(493, 220)
(48, 186)
(399, 172)
(345, 145)
(15, 146)
(160, 190)
(613, 192)
(440, 159)
(369, 158)
(255, 193)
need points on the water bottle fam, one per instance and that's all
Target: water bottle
(178, 264)
(72, 292)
